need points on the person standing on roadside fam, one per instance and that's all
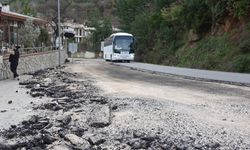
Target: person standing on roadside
(13, 59)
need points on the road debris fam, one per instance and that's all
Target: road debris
(80, 117)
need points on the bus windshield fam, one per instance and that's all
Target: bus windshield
(123, 43)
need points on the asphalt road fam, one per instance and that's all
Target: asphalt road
(229, 77)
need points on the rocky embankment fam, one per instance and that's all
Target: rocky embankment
(79, 117)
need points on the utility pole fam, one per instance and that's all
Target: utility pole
(59, 32)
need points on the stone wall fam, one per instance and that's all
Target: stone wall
(31, 63)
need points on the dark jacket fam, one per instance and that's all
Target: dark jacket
(14, 58)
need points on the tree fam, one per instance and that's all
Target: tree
(49, 9)
(144, 19)
(127, 11)
(43, 38)
(28, 33)
(239, 8)
(103, 29)
(25, 7)
(218, 11)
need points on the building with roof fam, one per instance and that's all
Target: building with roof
(10, 23)
(81, 31)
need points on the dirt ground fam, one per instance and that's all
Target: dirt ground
(215, 103)
(15, 103)
(98, 105)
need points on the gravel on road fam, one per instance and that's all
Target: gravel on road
(81, 115)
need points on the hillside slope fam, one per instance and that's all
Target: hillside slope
(78, 10)
(229, 51)
(204, 34)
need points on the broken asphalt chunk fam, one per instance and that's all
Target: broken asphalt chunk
(28, 82)
(98, 99)
(100, 116)
(65, 120)
(76, 140)
(37, 94)
(96, 140)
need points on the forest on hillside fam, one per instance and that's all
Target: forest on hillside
(206, 34)
(99, 14)
(78, 10)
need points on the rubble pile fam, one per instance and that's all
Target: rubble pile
(68, 96)
(79, 118)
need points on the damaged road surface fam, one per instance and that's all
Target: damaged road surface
(94, 105)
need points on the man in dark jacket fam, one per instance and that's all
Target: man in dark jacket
(13, 59)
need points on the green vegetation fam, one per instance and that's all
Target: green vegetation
(29, 34)
(189, 33)
(213, 52)
(103, 29)
(91, 12)
(206, 34)
(43, 38)
(26, 6)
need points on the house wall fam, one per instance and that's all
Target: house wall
(81, 31)
(31, 63)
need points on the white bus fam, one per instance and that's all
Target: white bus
(119, 47)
